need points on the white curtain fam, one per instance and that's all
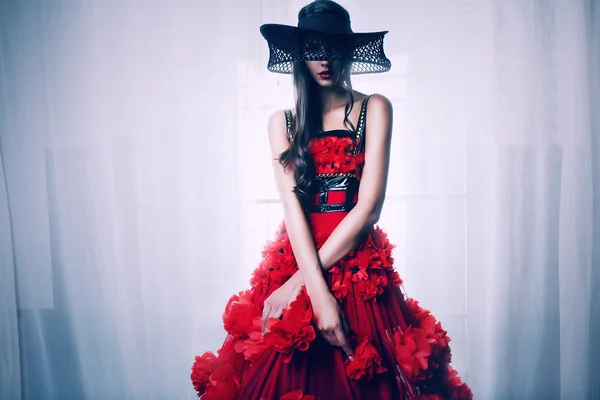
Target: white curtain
(136, 191)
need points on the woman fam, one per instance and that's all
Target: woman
(324, 317)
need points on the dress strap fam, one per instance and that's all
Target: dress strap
(362, 122)
(289, 124)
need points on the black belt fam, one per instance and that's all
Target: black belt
(349, 184)
(323, 208)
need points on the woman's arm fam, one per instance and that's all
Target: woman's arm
(373, 182)
(328, 316)
(295, 221)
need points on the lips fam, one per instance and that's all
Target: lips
(325, 74)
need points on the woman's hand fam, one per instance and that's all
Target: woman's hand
(281, 298)
(331, 322)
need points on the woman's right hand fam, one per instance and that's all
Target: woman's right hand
(280, 299)
(331, 322)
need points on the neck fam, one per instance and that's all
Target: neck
(332, 97)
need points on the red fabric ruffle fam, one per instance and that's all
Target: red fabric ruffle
(366, 362)
(293, 331)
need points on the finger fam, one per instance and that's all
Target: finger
(271, 314)
(277, 313)
(265, 317)
(272, 311)
(343, 342)
(333, 338)
(329, 337)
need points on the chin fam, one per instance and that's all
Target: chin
(326, 83)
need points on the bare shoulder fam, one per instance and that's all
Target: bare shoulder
(276, 121)
(379, 104)
(276, 129)
(276, 125)
(379, 114)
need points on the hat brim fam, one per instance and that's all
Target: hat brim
(289, 44)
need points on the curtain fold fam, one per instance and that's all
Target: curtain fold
(593, 40)
(10, 362)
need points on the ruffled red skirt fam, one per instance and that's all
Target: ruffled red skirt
(400, 350)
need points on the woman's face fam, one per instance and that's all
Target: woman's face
(326, 73)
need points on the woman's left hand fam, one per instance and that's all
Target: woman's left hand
(281, 298)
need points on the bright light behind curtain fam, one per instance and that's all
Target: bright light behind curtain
(136, 189)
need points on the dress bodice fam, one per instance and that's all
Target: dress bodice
(334, 153)
(338, 157)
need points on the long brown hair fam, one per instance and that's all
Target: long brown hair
(309, 117)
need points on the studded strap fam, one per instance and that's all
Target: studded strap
(289, 124)
(362, 122)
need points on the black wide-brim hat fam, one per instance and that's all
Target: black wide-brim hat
(324, 37)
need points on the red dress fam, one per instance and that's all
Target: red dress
(400, 350)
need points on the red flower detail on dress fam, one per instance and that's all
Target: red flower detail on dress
(358, 263)
(338, 288)
(320, 148)
(293, 331)
(371, 287)
(412, 352)
(254, 345)
(431, 333)
(278, 247)
(203, 367)
(332, 154)
(260, 281)
(419, 313)
(224, 384)
(396, 280)
(434, 332)
(367, 361)
(283, 271)
(357, 273)
(227, 351)
(298, 395)
(367, 258)
(383, 246)
(278, 261)
(277, 265)
(239, 315)
(458, 389)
